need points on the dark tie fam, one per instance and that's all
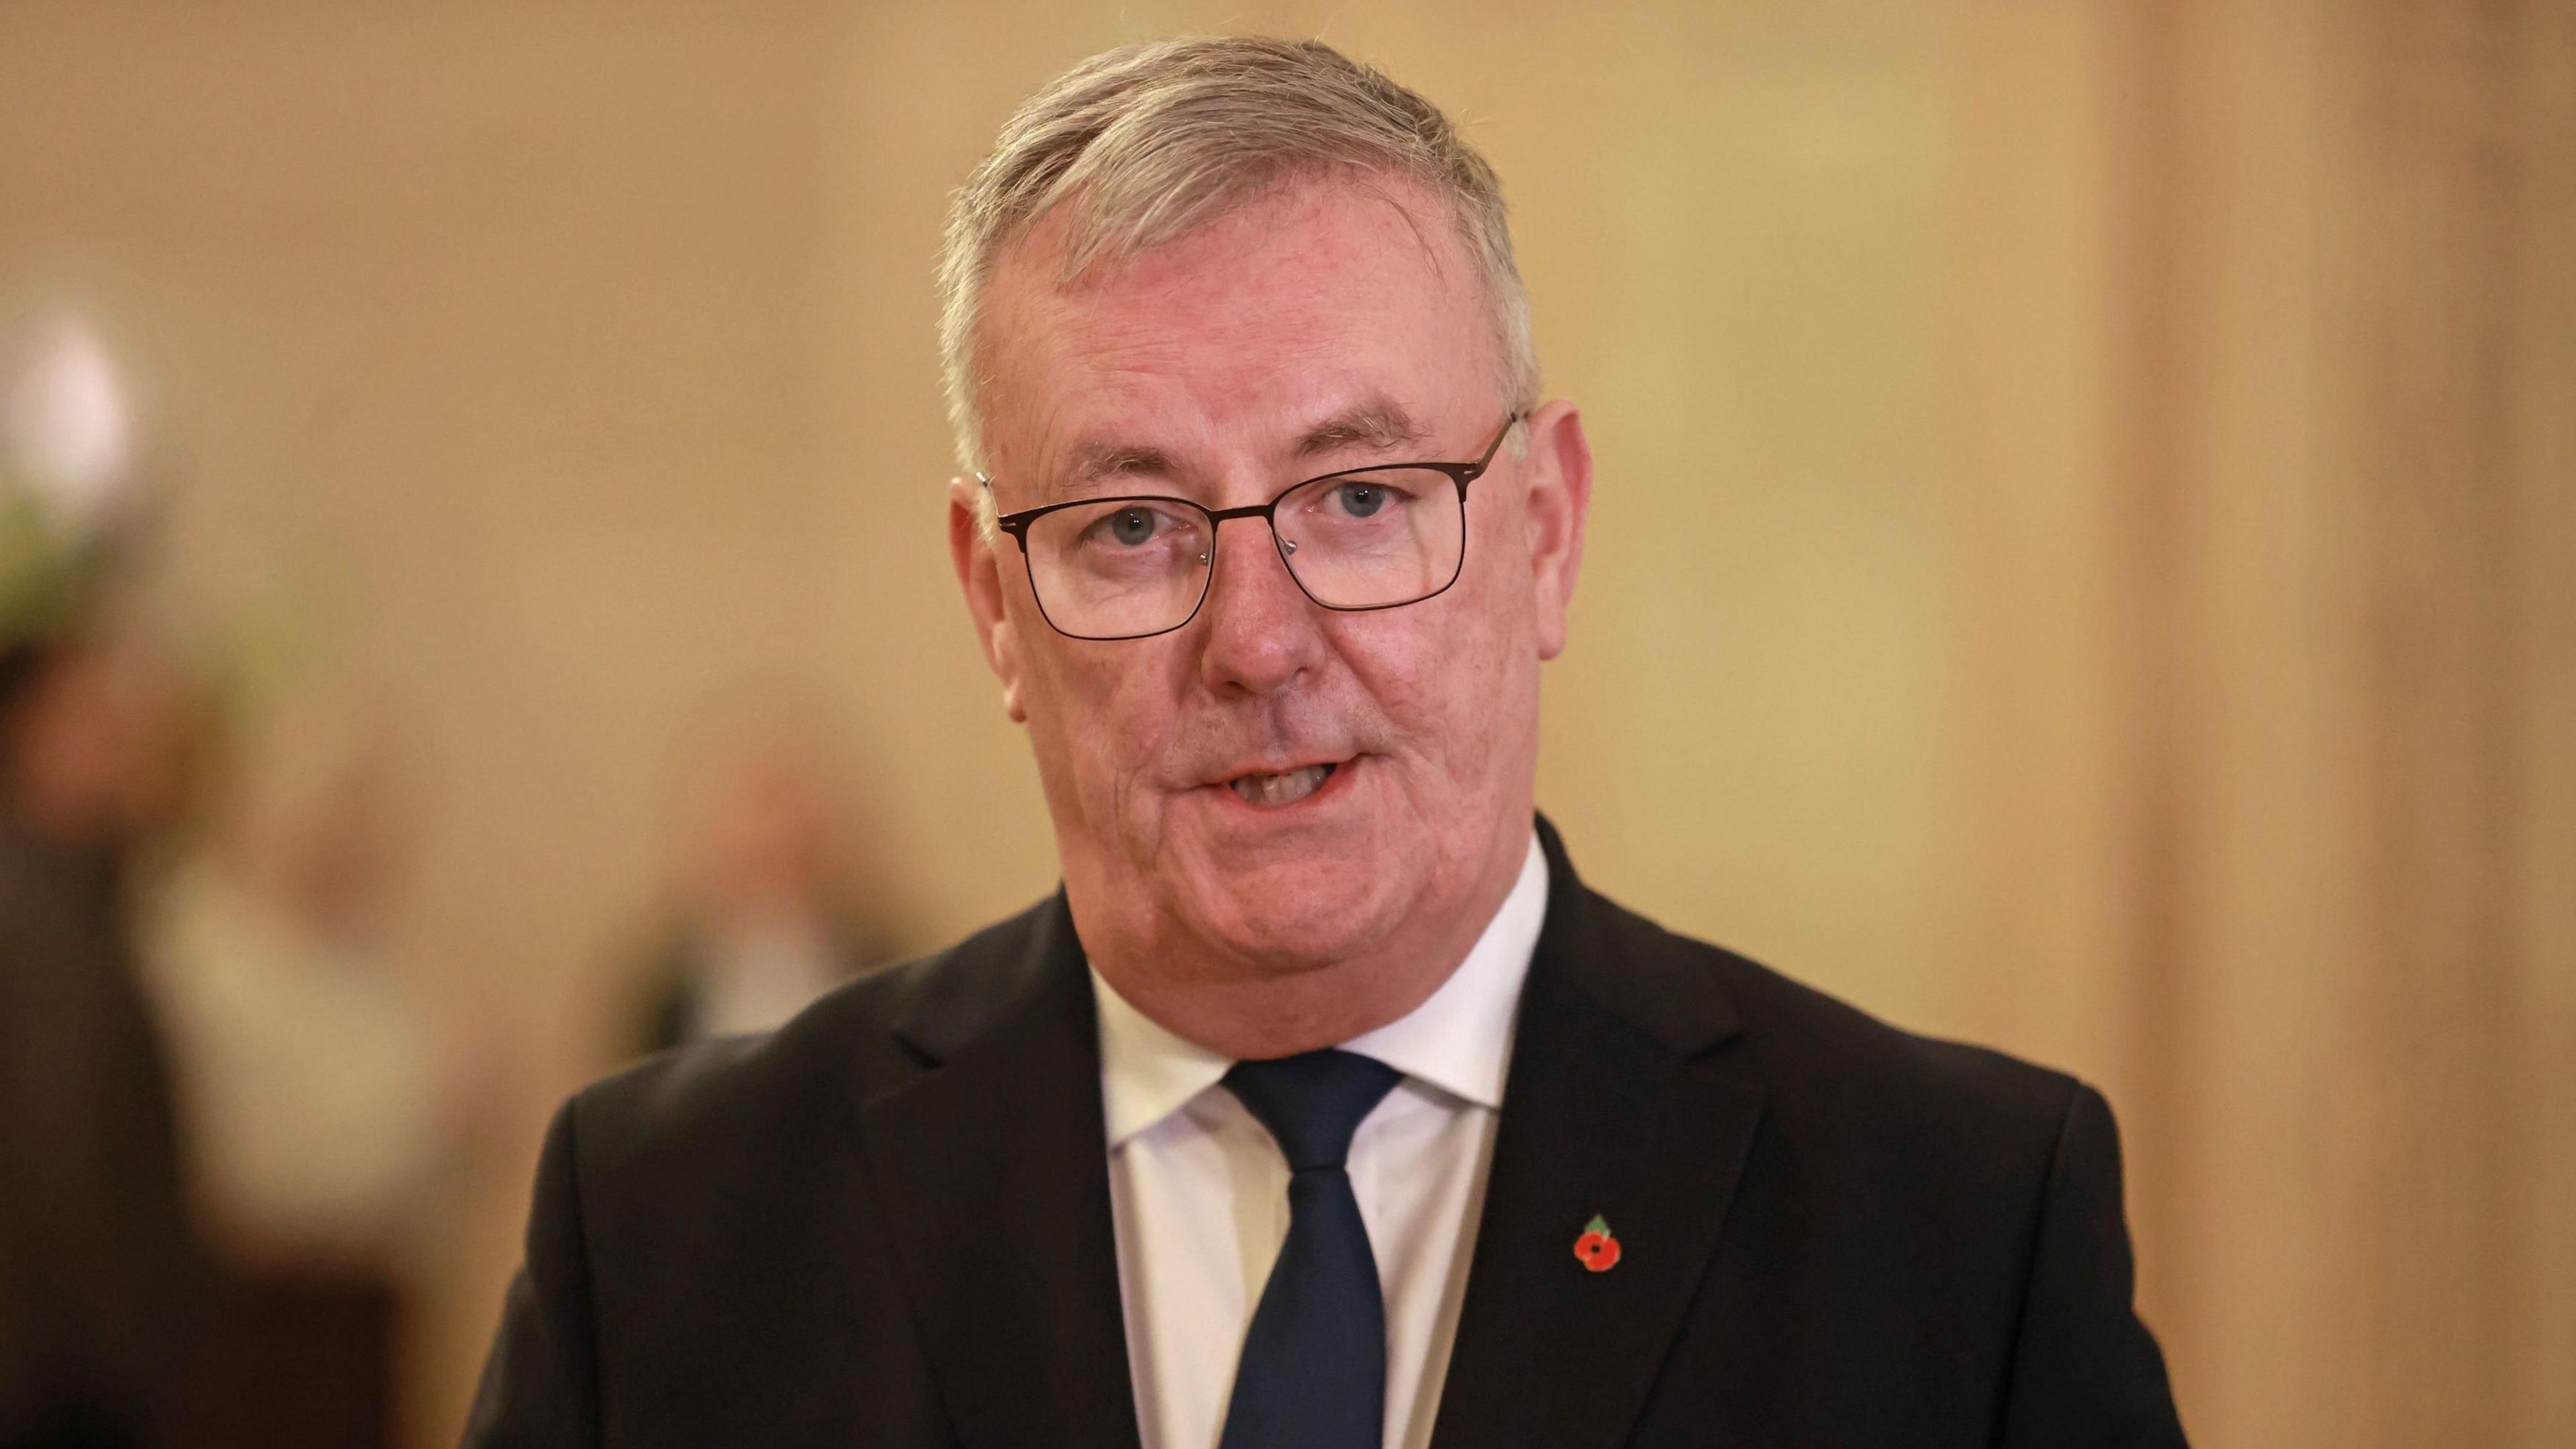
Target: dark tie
(1313, 1371)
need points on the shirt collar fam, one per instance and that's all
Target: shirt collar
(1146, 1070)
(1459, 1041)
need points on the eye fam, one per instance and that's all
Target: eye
(1360, 498)
(1126, 526)
(1131, 526)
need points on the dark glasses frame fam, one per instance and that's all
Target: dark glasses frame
(1461, 474)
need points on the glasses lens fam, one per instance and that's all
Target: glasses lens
(1368, 540)
(1121, 567)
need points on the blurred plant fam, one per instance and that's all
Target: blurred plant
(65, 478)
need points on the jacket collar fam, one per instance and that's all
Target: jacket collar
(1623, 1104)
(1630, 967)
(991, 1158)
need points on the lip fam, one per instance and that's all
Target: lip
(1335, 785)
(1237, 772)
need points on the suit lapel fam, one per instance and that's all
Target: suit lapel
(995, 1165)
(1618, 1105)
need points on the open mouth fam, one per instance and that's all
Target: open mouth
(1270, 792)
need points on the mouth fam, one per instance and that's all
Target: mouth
(1278, 791)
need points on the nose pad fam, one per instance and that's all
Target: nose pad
(1262, 632)
(1285, 547)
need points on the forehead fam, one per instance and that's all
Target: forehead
(1297, 304)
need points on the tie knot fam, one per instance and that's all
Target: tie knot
(1312, 1102)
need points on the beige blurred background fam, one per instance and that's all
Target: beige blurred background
(2085, 556)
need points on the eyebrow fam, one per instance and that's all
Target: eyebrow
(1377, 424)
(1091, 462)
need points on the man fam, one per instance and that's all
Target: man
(1324, 1105)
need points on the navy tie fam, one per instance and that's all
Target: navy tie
(1313, 1371)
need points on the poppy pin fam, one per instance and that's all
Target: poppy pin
(1595, 1248)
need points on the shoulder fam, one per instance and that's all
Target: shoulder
(752, 1096)
(1833, 1072)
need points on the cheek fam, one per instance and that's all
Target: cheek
(1443, 679)
(1499, 566)
(1467, 683)
(1099, 716)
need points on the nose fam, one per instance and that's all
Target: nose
(1262, 630)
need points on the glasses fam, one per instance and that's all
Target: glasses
(1360, 539)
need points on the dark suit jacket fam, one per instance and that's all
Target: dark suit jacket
(888, 1224)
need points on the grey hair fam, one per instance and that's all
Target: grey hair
(1146, 142)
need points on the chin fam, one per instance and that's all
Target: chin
(1292, 915)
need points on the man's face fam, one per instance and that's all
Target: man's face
(1276, 785)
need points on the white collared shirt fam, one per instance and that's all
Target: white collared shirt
(1199, 1192)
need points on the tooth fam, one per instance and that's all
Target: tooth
(1286, 788)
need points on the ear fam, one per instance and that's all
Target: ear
(975, 551)
(1559, 500)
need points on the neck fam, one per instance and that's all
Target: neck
(1254, 1014)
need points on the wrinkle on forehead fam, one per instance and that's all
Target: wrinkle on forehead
(1199, 271)
(1376, 424)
